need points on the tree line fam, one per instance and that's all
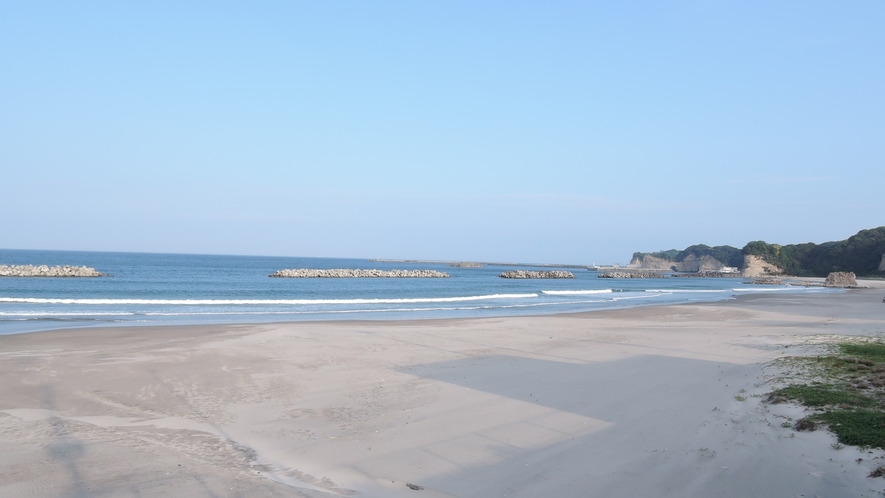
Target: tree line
(861, 253)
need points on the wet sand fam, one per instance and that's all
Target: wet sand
(623, 403)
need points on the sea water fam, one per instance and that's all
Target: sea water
(160, 289)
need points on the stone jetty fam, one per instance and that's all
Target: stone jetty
(632, 274)
(708, 274)
(357, 273)
(766, 281)
(48, 271)
(536, 274)
(465, 264)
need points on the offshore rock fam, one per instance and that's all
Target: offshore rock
(841, 279)
(632, 274)
(48, 271)
(536, 274)
(350, 273)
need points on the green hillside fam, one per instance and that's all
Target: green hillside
(861, 254)
(730, 256)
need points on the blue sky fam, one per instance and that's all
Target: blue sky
(566, 132)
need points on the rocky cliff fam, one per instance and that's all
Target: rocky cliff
(861, 253)
(693, 263)
(694, 258)
(755, 266)
(650, 262)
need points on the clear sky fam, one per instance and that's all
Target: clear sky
(572, 132)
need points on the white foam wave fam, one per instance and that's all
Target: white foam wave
(686, 290)
(38, 313)
(302, 312)
(212, 302)
(763, 289)
(575, 292)
(636, 297)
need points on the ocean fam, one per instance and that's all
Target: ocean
(157, 289)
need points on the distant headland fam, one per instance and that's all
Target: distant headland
(862, 254)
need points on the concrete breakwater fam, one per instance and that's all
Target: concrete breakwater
(536, 274)
(766, 281)
(707, 274)
(465, 264)
(48, 271)
(632, 274)
(357, 273)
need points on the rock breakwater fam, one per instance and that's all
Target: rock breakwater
(357, 273)
(537, 274)
(708, 274)
(632, 274)
(466, 265)
(766, 281)
(48, 271)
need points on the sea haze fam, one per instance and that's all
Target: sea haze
(183, 288)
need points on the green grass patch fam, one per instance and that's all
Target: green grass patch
(846, 389)
(820, 395)
(873, 351)
(856, 427)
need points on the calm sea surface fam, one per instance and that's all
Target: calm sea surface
(177, 288)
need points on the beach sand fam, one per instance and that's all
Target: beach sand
(623, 403)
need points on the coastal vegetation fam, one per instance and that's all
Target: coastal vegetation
(728, 255)
(844, 391)
(861, 253)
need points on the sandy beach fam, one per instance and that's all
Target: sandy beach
(622, 403)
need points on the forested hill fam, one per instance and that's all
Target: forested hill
(863, 254)
(730, 256)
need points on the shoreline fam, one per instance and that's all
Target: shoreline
(638, 401)
(736, 300)
(102, 324)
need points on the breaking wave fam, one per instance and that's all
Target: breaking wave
(685, 290)
(575, 292)
(211, 302)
